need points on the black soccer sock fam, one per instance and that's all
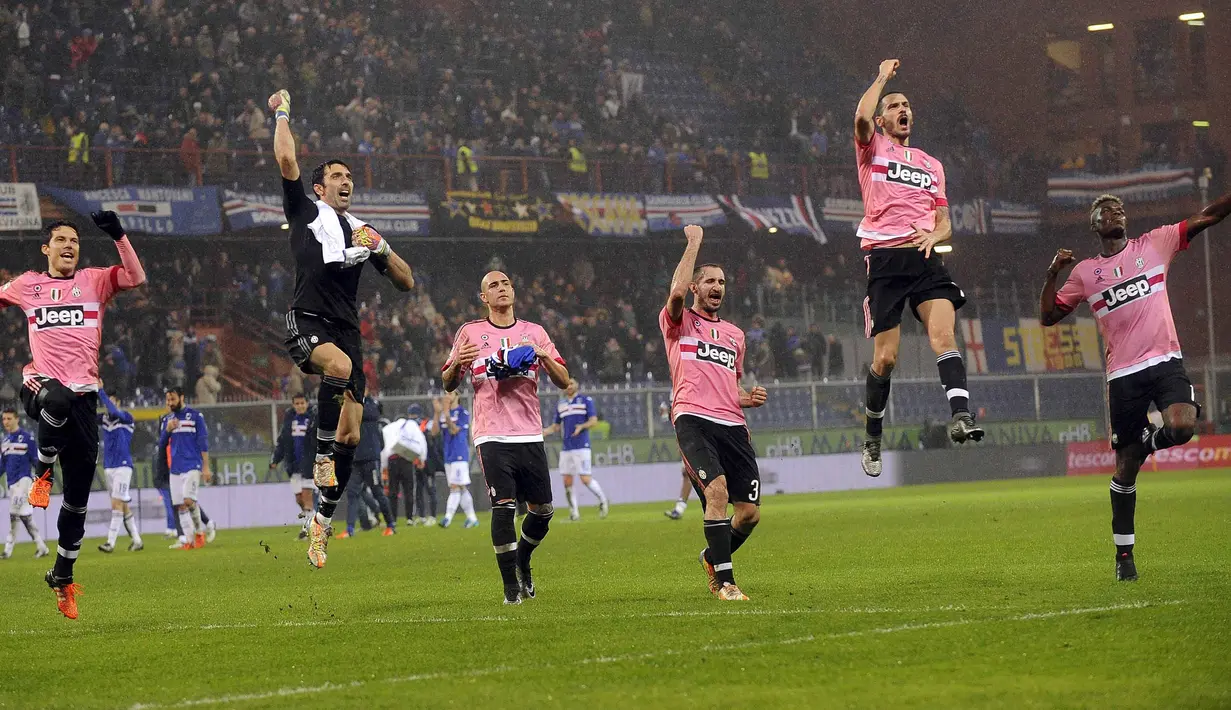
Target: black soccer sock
(1165, 438)
(738, 538)
(71, 527)
(1123, 508)
(504, 541)
(876, 401)
(329, 401)
(953, 377)
(204, 517)
(718, 535)
(533, 530)
(343, 457)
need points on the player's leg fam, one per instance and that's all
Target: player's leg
(352, 506)
(496, 463)
(455, 491)
(132, 527)
(335, 368)
(534, 484)
(344, 445)
(179, 485)
(17, 502)
(939, 316)
(192, 490)
(584, 463)
(377, 491)
(117, 511)
(681, 503)
(425, 482)
(50, 404)
(885, 345)
(1128, 407)
(77, 461)
(169, 511)
(743, 483)
(566, 477)
(1176, 399)
(700, 454)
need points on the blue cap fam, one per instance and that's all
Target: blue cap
(415, 410)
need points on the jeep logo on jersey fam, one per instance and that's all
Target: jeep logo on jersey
(907, 175)
(717, 354)
(1126, 292)
(59, 317)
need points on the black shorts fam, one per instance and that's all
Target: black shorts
(710, 450)
(897, 277)
(1129, 398)
(516, 472)
(77, 425)
(305, 331)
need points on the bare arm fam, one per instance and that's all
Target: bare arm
(556, 370)
(683, 273)
(284, 142)
(451, 376)
(752, 398)
(398, 272)
(1050, 312)
(1215, 212)
(551, 429)
(207, 474)
(865, 114)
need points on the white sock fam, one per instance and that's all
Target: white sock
(572, 499)
(186, 524)
(455, 499)
(195, 512)
(31, 528)
(468, 504)
(130, 525)
(681, 505)
(12, 538)
(323, 520)
(597, 490)
(113, 530)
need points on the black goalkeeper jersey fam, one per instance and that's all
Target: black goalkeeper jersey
(327, 290)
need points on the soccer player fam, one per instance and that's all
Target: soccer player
(455, 427)
(187, 436)
(425, 470)
(906, 215)
(681, 504)
(298, 430)
(363, 490)
(1126, 287)
(330, 246)
(706, 355)
(18, 456)
(403, 440)
(64, 308)
(574, 417)
(503, 355)
(118, 471)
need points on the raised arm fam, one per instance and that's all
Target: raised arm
(683, 273)
(1215, 212)
(865, 114)
(284, 142)
(1052, 311)
(113, 409)
(131, 274)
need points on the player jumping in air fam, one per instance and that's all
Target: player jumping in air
(906, 215)
(574, 418)
(1126, 287)
(118, 471)
(330, 246)
(64, 310)
(503, 354)
(18, 457)
(706, 355)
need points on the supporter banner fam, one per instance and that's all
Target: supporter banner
(968, 217)
(191, 211)
(842, 213)
(1022, 345)
(1138, 186)
(793, 215)
(1014, 218)
(513, 214)
(393, 214)
(1202, 452)
(668, 212)
(606, 215)
(19, 208)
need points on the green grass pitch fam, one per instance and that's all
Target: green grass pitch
(985, 595)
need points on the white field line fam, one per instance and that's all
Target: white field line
(298, 691)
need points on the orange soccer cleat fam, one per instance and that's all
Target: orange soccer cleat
(40, 492)
(343, 535)
(731, 593)
(66, 595)
(199, 540)
(709, 571)
(388, 532)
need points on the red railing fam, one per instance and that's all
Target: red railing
(256, 171)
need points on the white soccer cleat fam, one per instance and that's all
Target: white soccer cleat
(574, 516)
(211, 531)
(603, 508)
(42, 552)
(872, 457)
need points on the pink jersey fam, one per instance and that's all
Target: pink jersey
(707, 362)
(504, 410)
(901, 186)
(64, 317)
(1128, 294)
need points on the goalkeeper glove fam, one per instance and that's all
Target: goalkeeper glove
(365, 236)
(281, 104)
(109, 222)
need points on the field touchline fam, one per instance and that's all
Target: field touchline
(296, 691)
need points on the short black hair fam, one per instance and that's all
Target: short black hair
(175, 390)
(54, 225)
(696, 273)
(318, 173)
(9, 410)
(299, 396)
